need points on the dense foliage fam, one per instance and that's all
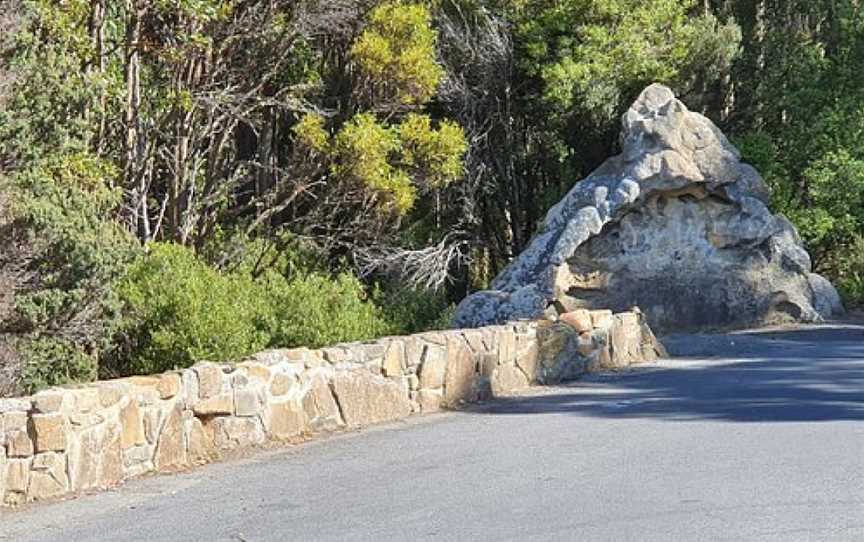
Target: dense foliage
(202, 179)
(180, 310)
(801, 121)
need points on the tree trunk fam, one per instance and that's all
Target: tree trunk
(97, 38)
(760, 30)
(134, 182)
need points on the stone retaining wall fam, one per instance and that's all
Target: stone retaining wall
(64, 441)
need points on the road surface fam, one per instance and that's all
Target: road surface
(764, 440)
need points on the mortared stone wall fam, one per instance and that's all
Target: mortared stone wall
(68, 440)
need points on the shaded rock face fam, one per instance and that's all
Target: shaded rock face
(676, 225)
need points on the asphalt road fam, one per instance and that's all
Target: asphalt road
(763, 441)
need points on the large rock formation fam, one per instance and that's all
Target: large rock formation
(676, 225)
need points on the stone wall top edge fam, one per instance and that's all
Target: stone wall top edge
(302, 356)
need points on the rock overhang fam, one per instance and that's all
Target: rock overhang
(676, 224)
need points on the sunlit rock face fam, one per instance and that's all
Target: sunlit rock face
(676, 225)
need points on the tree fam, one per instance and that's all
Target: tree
(214, 125)
(799, 123)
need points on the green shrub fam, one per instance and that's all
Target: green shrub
(61, 210)
(411, 310)
(852, 289)
(179, 310)
(316, 310)
(849, 272)
(61, 255)
(52, 362)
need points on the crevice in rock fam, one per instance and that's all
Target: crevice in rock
(339, 407)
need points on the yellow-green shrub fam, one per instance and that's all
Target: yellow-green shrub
(396, 53)
(363, 151)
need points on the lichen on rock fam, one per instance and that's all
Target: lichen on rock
(676, 224)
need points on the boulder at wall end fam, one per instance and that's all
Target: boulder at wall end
(676, 224)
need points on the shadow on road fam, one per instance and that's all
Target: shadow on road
(801, 375)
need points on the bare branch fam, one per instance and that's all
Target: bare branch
(427, 268)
